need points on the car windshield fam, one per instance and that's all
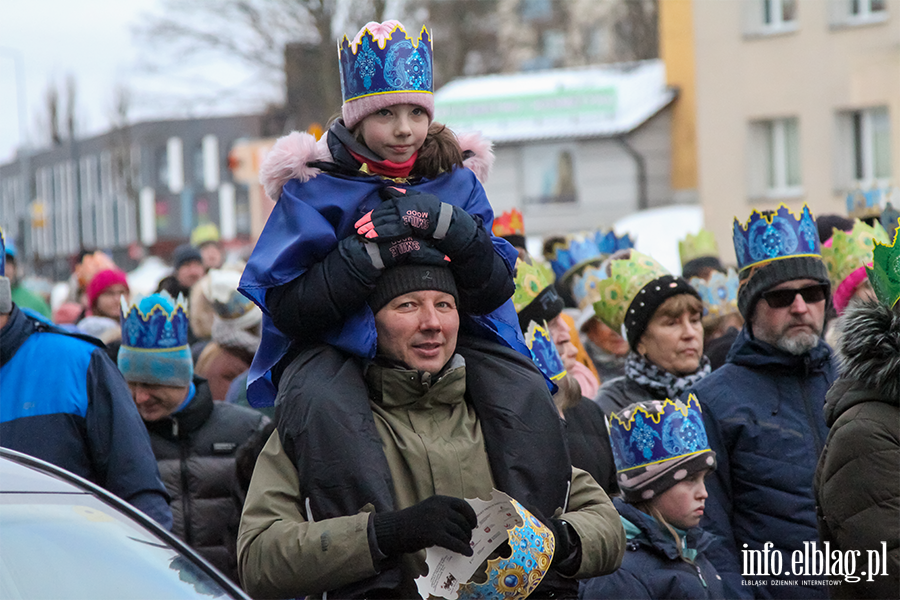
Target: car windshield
(75, 546)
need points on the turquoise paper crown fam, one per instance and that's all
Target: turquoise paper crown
(641, 437)
(2, 254)
(516, 577)
(155, 323)
(773, 235)
(543, 351)
(580, 249)
(396, 63)
(719, 293)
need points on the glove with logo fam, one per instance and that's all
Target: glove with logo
(364, 255)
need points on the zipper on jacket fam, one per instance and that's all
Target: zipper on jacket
(700, 575)
(810, 414)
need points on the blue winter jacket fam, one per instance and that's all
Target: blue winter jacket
(652, 567)
(763, 411)
(64, 401)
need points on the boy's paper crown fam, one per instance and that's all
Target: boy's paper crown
(773, 235)
(383, 66)
(884, 274)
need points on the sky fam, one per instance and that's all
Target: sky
(91, 40)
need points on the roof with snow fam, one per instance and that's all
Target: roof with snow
(580, 102)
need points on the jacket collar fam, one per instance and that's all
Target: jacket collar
(645, 530)
(397, 386)
(188, 419)
(17, 329)
(748, 351)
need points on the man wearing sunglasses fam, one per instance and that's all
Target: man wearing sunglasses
(763, 409)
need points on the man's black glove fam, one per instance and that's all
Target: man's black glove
(365, 256)
(436, 521)
(567, 555)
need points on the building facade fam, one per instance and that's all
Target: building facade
(148, 185)
(796, 102)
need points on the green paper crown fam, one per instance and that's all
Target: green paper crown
(698, 246)
(851, 250)
(532, 278)
(885, 271)
(627, 277)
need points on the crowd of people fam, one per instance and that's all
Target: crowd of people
(317, 420)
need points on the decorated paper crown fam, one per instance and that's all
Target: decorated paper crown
(850, 250)
(509, 223)
(532, 278)
(384, 59)
(627, 277)
(773, 235)
(206, 232)
(640, 437)
(585, 286)
(697, 246)
(2, 254)
(576, 250)
(884, 274)
(543, 351)
(155, 323)
(609, 242)
(865, 204)
(516, 577)
(719, 294)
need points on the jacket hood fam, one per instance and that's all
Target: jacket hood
(293, 157)
(868, 349)
(748, 351)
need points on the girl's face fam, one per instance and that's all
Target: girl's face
(682, 504)
(395, 133)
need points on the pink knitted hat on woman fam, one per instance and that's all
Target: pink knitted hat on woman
(103, 280)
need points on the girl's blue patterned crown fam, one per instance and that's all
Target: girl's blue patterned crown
(155, 323)
(543, 351)
(773, 235)
(652, 432)
(384, 59)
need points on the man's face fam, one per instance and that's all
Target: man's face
(155, 402)
(212, 255)
(190, 273)
(11, 270)
(795, 328)
(419, 329)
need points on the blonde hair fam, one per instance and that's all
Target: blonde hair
(649, 507)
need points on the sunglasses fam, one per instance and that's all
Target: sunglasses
(783, 298)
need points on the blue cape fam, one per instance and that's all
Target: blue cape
(306, 224)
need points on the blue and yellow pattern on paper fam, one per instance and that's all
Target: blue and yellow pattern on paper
(773, 235)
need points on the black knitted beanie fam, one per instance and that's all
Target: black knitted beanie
(404, 279)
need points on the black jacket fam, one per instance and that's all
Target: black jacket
(195, 449)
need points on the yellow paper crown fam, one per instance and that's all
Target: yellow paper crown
(626, 278)
(697, 246)
(532, 278)
(850, 250)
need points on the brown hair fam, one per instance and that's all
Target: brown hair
(439, 153)
(677, 305)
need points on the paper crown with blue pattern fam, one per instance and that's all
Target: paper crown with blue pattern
(2, 254)
(384, 65)
(774, 235)
(574, 251)
(543, 350)
(656, 444)
(155, 346)
(719, 293)
(865, 204)
(517, 576)
(5, 289)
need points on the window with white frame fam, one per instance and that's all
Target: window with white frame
(864, 147)
(858, 12)
(774, 159)
(765, 17)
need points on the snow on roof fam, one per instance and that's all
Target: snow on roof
(560, 103)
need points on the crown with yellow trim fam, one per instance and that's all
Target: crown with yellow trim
(656, 444)
(626, 278)
(383, 59)
(576, 250)
(585, 286)
(509, 223)
(850, 250)
(719, 293)
(532, 278)
(155, 346)
(701, 245)
(543, 351)
(517, 576)
(884, 274)
(773, 235)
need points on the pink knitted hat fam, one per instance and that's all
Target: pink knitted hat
(103, 280)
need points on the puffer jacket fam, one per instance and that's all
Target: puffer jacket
(763, 416)
(858, 478)
(652, 567)
(195, 450)
(616, 394)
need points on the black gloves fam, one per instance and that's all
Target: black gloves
(365, 256)
(407, 212)
(436, 521)
(567, 556)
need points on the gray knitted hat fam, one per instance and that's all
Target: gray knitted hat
(404, 279)
(757, 279)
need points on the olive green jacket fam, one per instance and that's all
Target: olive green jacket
(434, 445)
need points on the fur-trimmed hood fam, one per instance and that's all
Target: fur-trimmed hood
(289, 157)
(868, 349)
